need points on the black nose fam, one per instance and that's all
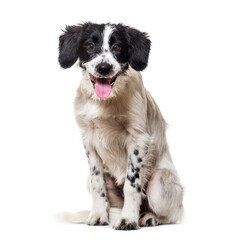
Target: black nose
(104, 68)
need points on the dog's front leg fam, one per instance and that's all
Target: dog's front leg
(140, 155)
(100, 205)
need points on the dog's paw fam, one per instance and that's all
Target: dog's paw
(97, 219)
(125, 224)
(148, 219)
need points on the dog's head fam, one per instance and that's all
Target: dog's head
(105, 52)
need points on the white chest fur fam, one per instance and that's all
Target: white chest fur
(108, 135)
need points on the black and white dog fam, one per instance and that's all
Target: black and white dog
(122, 128)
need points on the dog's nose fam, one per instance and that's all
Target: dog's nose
(104, 68)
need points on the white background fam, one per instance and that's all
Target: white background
(43, 167)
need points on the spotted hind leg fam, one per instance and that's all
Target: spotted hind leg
(165, 196)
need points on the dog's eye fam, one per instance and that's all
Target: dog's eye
(90, 46)
(116, 47)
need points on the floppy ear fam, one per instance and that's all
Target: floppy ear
(139, 48)
(68, 46)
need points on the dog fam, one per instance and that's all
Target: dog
(123, 130)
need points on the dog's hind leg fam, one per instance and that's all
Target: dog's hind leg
(165, 196)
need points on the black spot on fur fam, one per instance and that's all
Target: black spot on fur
(97, 222)
(123, 222)
(136, 175)
(139, 160)
(131, 178)
(102, 195)
(127, 226)
(95, 171)
(138, 188)
(149, 222)
(136, 152)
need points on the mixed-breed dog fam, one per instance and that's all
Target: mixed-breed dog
(131, 174)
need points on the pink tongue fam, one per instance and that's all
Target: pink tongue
(103, 88)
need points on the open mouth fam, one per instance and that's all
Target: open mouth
(102, 86)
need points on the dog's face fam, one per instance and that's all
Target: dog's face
(105, 52)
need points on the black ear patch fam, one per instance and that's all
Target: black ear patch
(139, 48)
(68, 46)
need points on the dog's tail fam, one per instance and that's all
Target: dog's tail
(82, 217)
